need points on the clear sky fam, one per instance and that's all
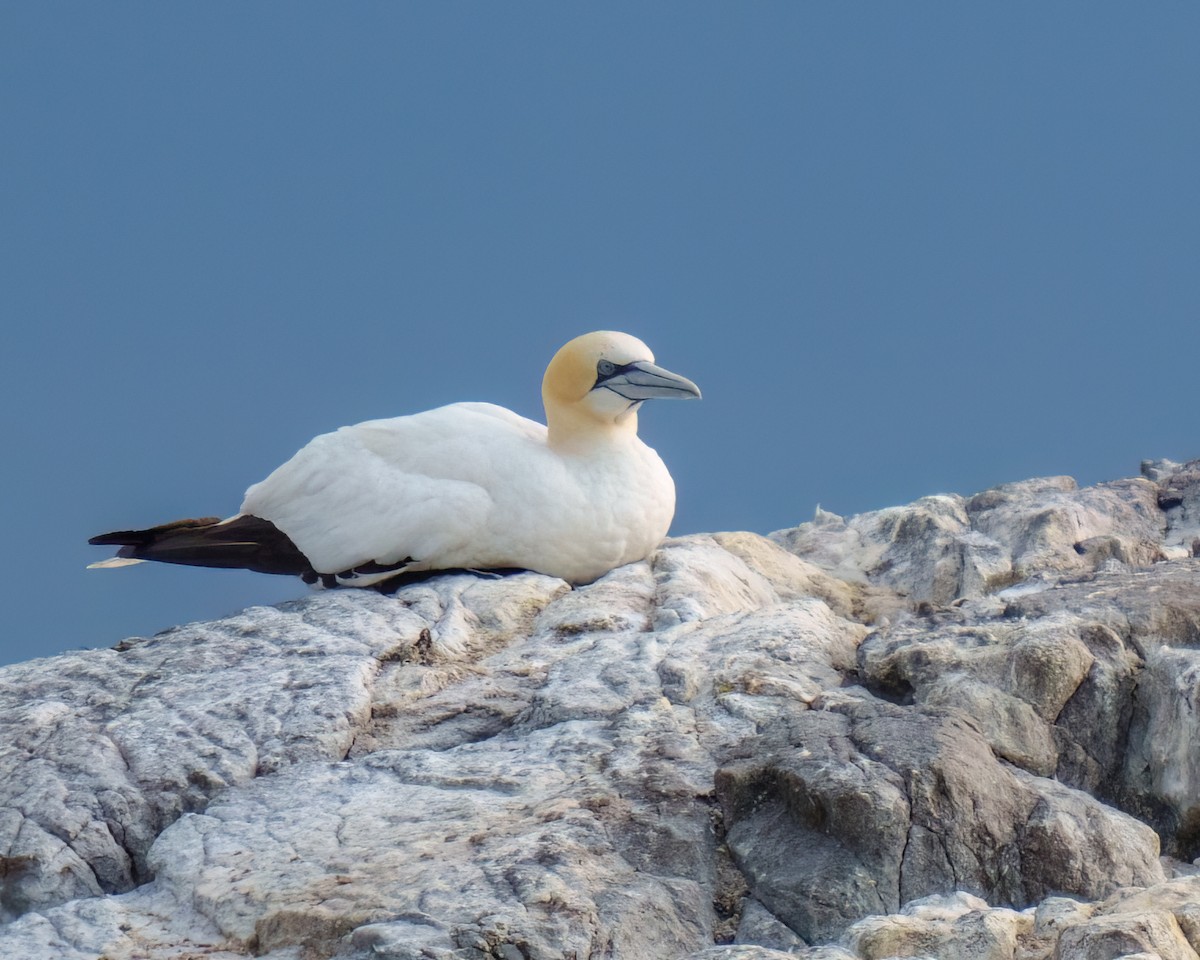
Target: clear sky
(903, 248)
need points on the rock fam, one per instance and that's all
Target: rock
(1179, 498)
(1180, 897)
(960, 728)
(759, 926)
(917, 550)
(1154, 933)
(876, 795)
(1145, 625)
(947, 547)
(1069, 530)
(743, 952)
(1162, 764)
(113, 746)
(1096, 682)
(936, 926)
(1055, 914)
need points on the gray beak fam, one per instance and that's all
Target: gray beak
(646, 381)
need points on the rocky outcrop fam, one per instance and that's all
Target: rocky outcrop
(961, 728)
(946, 548)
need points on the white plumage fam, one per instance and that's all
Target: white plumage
(473, 485)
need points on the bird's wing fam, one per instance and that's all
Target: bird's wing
(384, 490)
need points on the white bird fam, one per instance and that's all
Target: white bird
(465, 486)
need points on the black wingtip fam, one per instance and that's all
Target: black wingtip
(117, 538)
(149, 535)
(245, 542)
(251, 543)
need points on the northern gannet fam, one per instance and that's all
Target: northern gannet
(469, 485)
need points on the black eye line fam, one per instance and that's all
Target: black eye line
(617, 370)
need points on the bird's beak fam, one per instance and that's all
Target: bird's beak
(646, 381)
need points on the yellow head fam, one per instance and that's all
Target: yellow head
(598, 381)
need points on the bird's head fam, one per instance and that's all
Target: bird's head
(600, 379)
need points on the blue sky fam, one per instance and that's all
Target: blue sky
(903, 248)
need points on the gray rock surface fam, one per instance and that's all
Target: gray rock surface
(959, 729)
(944, 548)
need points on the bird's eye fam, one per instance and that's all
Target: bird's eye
(606, 368)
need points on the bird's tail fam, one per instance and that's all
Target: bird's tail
(113, 563)
(243, 542)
